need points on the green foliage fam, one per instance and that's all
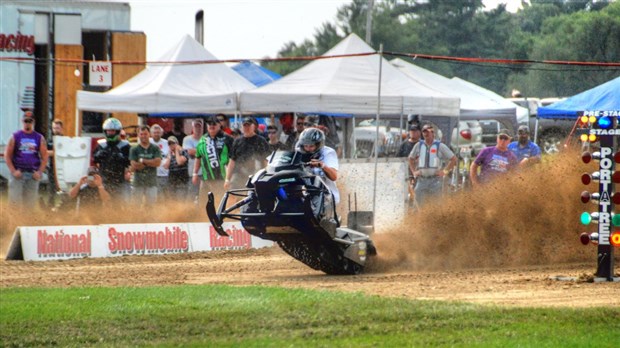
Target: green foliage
(275, 317)
(543, 30)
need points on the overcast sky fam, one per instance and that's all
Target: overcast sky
(235, 28)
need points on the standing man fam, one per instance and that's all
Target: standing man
(212, 156)
(112, 157)
(189, 144)
(248, 154)
(405, 149)
(52, 186)
(493, 161)
(527, 152)
(426, 161)
(26, 157)
(145, 158)
(162, 172)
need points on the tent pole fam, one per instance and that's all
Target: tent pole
(377, 119)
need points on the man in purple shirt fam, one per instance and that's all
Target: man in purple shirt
(26, 157)
(493, 161)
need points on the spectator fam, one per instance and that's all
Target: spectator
(426, 161)
(261, 130)
(323, 159)
(145, 158)
(493, 160)
(90, 192)
(405, 149)
(331, 133)
(112, 157)
(212, 156)
(274, 143)
(288, 129)
(52, 185)
(189, 144)
(176, 163)
(300, 125)
(162, 172)
(224, 123)
(26, 157)
(247, 156)
(177, 129)
(527, 152)
(311, 121)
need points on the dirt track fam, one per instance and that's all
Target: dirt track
(501, 245)
(519, 286)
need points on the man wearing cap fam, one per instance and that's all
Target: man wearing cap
(89, 191)
(429, 161)
(248, 154)
(26, 157)
(527, 152)
(405, 149)
(176, 163)
(493, 161)
(212, 156)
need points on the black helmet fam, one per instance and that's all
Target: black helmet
(112, 124)
(310, 136)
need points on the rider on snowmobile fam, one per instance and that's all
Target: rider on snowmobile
(323, 159)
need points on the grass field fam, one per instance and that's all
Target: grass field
(226, 316)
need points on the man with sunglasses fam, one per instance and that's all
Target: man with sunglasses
(493, 161)
(249, 153)
(224, 124)
(527, 152)
(26, 157)
(429, 161)
(212, 156)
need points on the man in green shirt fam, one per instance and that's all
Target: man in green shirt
(145, 158)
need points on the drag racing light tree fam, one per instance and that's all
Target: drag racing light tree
(603, 129)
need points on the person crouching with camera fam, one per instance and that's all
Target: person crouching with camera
(89, 191)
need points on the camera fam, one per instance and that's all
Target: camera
(90, 178)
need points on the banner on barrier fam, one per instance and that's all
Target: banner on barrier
(41, 243)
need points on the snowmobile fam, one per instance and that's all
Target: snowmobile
(290, 205)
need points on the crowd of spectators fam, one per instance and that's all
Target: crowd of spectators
(215, 157)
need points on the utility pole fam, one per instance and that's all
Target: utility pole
(371, 4)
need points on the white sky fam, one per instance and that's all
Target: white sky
(236, 28)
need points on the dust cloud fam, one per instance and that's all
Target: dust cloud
(531, 218)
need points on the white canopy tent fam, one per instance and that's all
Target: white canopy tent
(348, 85)
(174, 88)
(477, 103)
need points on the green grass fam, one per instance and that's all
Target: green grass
(225, 316)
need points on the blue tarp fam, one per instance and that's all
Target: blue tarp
(255, 73)
(600, 98)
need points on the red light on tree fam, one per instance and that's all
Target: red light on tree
(586, 179)
(615, 177)
(616, 198)
(614, 239)
(617, 157)
(586, 157)
(585, 197)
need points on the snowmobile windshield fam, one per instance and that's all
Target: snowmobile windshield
(281, 160)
